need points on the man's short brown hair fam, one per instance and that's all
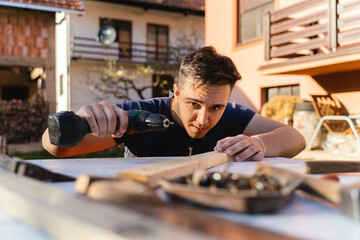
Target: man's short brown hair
(206, 66)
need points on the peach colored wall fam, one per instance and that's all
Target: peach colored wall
(220, 32)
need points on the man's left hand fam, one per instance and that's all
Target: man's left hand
(241, 147)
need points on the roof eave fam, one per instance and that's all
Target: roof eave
(41, 8)
(144, 5)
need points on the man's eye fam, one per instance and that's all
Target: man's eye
(194, 104)
(216, 108)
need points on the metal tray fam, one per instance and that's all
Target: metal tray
(243, 201)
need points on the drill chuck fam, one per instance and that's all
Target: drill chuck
(143, 121)
(66, 129)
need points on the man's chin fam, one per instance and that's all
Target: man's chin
(197, 135)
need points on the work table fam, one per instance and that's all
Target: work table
(301, 218)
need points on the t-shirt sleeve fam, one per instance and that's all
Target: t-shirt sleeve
(237, 117)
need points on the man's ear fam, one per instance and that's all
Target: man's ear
(176, 90)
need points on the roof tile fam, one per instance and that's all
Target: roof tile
(75, 5)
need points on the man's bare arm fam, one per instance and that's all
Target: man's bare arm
(263, 137)
(90, 143)
(279, 139)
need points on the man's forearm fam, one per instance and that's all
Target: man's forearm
(284, 141)
(89, 143)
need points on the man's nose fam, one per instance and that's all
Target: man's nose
(202, 117)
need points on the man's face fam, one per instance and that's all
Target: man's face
(199, 107)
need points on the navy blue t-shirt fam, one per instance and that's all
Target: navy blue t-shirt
(174, 141)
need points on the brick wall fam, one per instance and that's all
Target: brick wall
(24, 34)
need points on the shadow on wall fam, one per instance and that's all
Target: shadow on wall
(339, 82)
(341, 85)
(239, 96)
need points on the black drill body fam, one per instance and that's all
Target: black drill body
(66, 129)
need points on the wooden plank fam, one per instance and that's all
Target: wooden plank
(348, 21)
(51, 66)
(348, 6)
(64, 216)
(289, 36)
(295, 8)
(3, 144)
(300, 65)
(285, 25)
(179, 214)
(219, 228)
(332, 26)
(22, 61)
(142, 200)
(331, 166)
(174, 168)
(118, 191)
(293, 48)
(327, 189)
(349, 35)
(267, 35)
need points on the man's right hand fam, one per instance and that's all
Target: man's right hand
(102, 118)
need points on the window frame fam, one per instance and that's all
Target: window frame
(239, 22)
(116, 23)
(265, 91)
(158, 53)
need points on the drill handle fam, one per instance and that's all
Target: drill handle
(66, 129)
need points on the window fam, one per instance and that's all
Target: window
(157, 42)
(250, 19)
(162, 84)
(123, 35)
(289, 90)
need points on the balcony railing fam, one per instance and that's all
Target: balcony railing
(89, 48)
(312, 28)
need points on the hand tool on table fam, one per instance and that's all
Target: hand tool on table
(344, 198)
(171, 169)
(331, 166)
(142, 181)
(21, 167)
(66, 129)
(114, 189)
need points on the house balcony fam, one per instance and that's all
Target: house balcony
(313, 38)
(125, 52)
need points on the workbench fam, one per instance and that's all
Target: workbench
(302, 218)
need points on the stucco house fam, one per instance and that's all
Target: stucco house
(149, 33)
(300, 48)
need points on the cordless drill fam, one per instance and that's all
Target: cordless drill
(66, 129)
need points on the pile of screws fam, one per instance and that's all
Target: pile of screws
(235, 182)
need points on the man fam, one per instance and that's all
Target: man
(204, 120)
